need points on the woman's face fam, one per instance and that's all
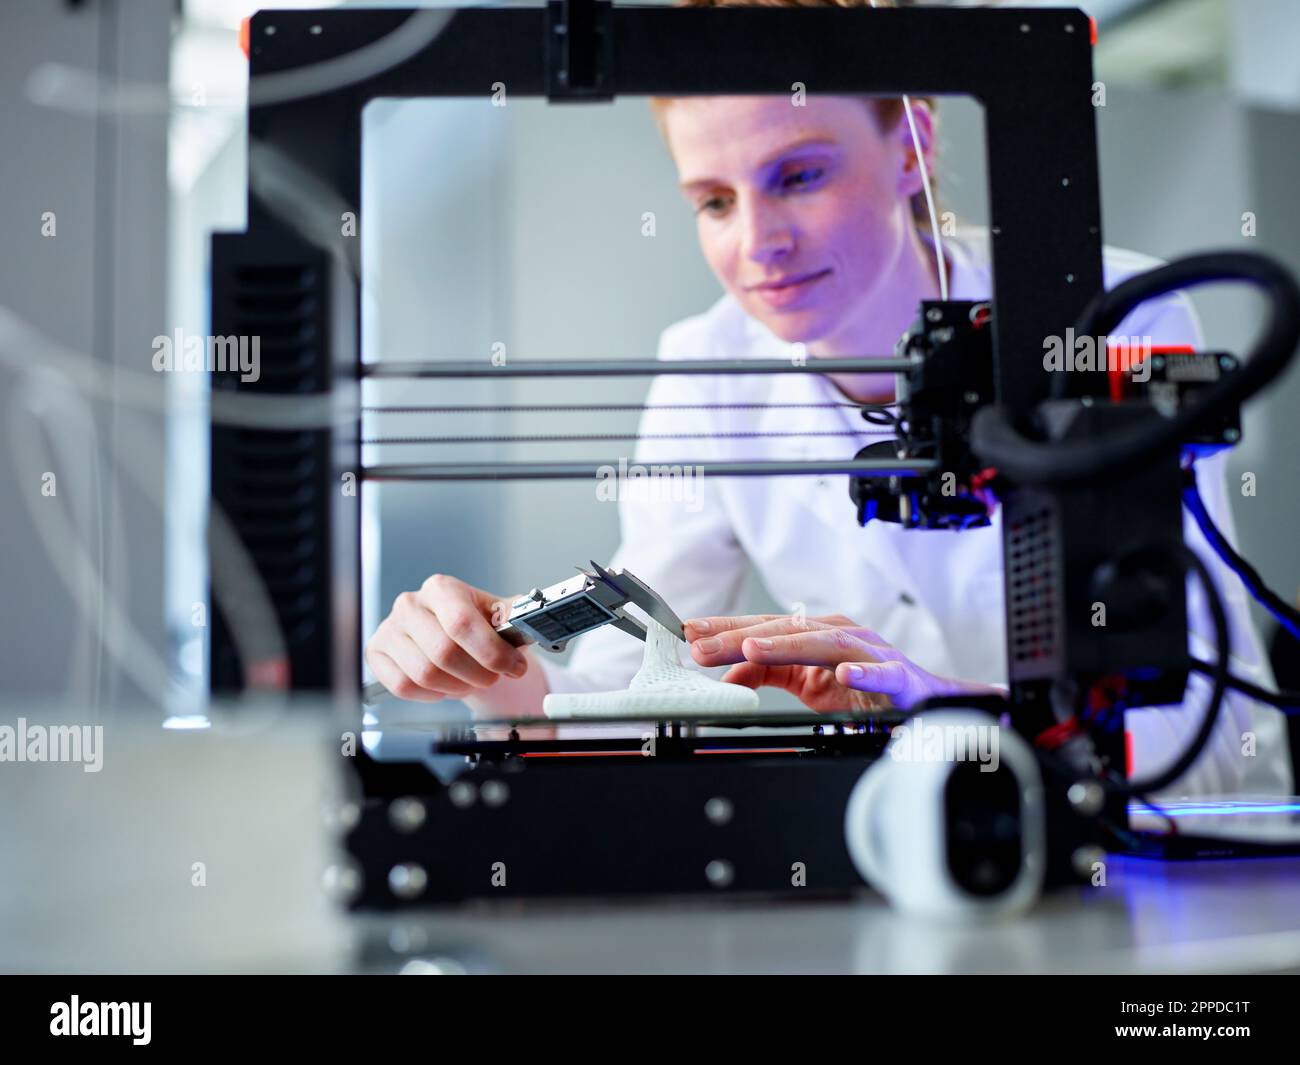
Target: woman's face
(802, 212)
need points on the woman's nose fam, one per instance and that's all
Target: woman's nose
(768, 235)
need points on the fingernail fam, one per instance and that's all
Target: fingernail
(519, 668)
(766, 645)
(710, 645)
(700, 626)
(857, 671)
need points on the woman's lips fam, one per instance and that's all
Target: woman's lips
(787, 295)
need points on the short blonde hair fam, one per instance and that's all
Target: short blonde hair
(888, 110)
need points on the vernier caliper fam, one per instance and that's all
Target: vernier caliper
(551, 617)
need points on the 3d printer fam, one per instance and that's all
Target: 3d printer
(979, 415)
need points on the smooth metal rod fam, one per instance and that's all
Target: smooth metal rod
(577, 471)
(632, 367)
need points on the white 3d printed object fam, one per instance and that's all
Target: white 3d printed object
(661, 686)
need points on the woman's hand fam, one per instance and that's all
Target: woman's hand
(441, 642)
(828, 663)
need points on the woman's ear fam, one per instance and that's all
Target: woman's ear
(909, 177)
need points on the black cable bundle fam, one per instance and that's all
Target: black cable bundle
(997, 442)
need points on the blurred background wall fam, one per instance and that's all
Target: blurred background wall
(84, 217)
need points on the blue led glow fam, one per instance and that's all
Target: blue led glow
(1218, 809)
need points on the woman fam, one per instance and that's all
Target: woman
(811, 218)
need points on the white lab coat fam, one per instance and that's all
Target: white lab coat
(935, 595)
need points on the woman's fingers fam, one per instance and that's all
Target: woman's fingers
(885, 678)
(440, 649)
(818, 659)
(725, 647)
(756, 675)
(390, 675)
(817, 666)
(811, 685)
(415, 664)
(440, 641)
(746, 674)
(717, 641)
(815, 687)
(459, 610)
(714, 626)
(826, 647)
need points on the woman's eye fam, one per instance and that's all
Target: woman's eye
(713, 205)
(804, 177)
